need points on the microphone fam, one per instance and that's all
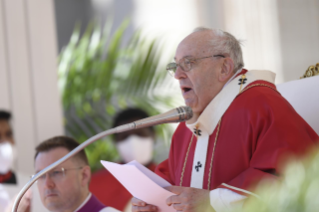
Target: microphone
(179, 114)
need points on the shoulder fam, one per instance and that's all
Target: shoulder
(259, 89)
(262, 106)
(261, 95)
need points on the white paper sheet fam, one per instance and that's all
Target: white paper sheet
(141, 183)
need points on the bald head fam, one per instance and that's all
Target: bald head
(198, 42)
(216, 41)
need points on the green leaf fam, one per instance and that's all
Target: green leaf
(99, 76)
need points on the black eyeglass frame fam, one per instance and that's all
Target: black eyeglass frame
(171, 67)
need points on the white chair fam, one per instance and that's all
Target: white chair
(303, 95)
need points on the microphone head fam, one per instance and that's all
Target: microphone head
(179, 114)
(185, 113)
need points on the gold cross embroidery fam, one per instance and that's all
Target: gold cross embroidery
(242, 81)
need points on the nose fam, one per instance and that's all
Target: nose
(179, 73)
(48, 182)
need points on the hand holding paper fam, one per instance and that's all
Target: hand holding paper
(139, 205)
(189, 199)
(142, 183)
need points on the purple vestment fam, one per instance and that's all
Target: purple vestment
(93, 205)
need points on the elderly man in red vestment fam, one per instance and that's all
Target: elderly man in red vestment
(241, 128)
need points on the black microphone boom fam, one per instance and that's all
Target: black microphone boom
(179, 114)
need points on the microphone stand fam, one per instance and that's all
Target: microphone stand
(175, 115)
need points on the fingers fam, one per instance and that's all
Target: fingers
(175, 189)
(149, 208)
(25, 203)
(28, 194)
(178, 207)
(175, 199)
(139, 205)
(138, 202)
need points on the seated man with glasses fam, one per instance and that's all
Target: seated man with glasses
(66, 187)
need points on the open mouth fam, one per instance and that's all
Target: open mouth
(186, 89)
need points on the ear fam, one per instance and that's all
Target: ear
(86, 175)
(227, 70)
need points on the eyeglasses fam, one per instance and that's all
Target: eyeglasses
(186, 64)
(56, 175)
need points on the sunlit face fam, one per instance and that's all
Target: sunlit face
(199, 85)
(6, 132)
(64, 194)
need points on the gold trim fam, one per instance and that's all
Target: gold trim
(311, 71)
(259, 84)
(186, 157)
(243, 77)
(212, 159)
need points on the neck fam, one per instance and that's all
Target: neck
(78, 203)
(193, 119)
(220, 87)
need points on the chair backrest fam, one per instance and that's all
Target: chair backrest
(303, 95)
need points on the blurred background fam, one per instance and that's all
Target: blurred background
(68, 66)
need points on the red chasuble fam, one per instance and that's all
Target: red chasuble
(109, 190)
(256, 131)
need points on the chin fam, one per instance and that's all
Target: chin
(197, 110)
(53, 206)
(190, 103)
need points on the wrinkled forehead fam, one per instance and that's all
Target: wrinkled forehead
(195, 45)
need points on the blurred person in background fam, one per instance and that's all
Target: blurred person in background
(7, 150)
(66, 187)
(4, 199)
(132, 145)
(10, 183)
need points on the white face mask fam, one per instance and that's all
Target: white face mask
(136, 148)
(6, 157)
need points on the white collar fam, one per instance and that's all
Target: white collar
(84, 202)
(237, 72)
(208, 119)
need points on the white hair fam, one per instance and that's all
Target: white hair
(226, 44)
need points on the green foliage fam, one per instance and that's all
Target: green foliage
(98, 77)
(298, 192)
